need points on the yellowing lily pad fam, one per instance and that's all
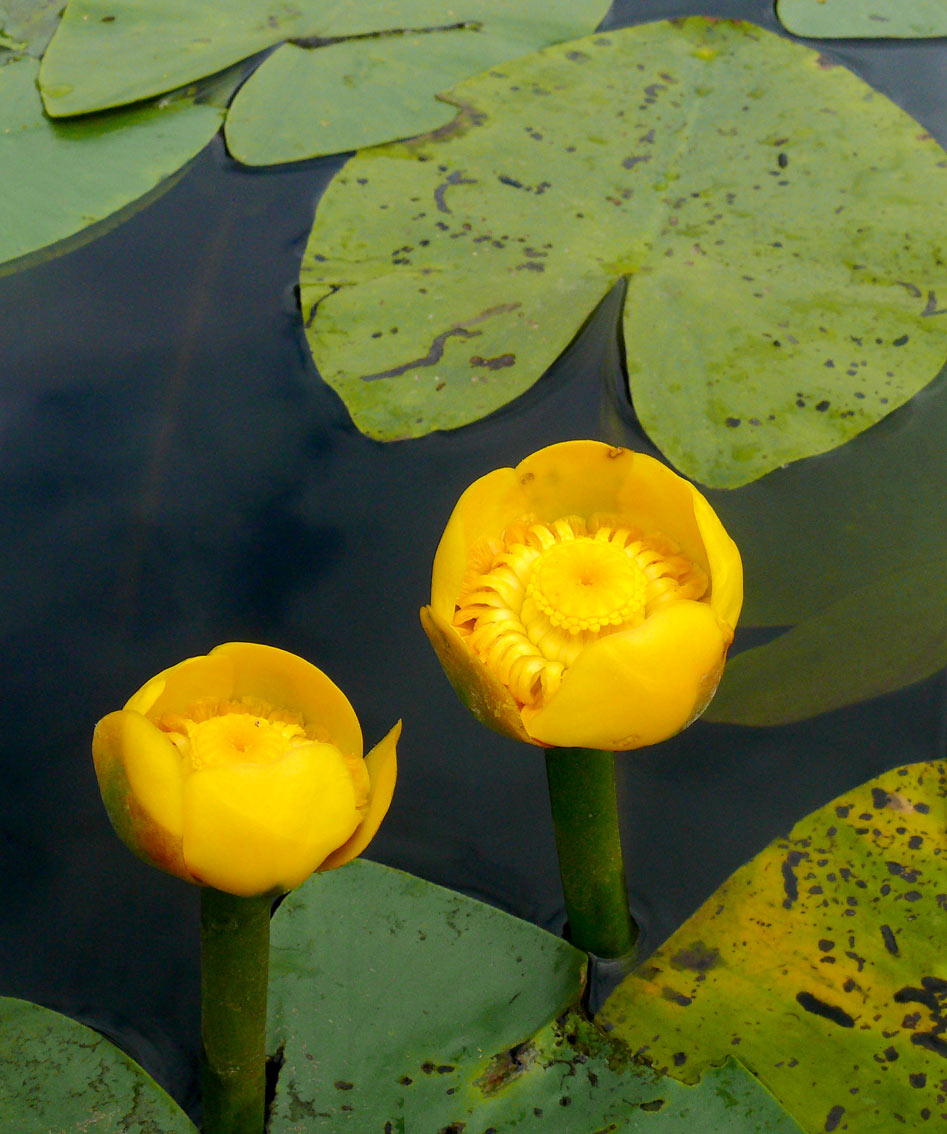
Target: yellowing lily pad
(895, 19)
(60, 177)
(776, 219)
(819, 965)
(372, 88)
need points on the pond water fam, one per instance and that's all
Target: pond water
(174, 474)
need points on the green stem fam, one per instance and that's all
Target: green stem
(585, 815)
(235, 954)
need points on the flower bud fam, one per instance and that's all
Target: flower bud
(586, 598)
(242, 770)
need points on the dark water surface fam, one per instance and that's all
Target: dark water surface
(174, 474)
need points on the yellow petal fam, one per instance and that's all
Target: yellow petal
(152, 765)
(382, 763)
(576, 478)
(726, 566)
(251, 829)
(282, 679)
(174, 689)
(484, 695)
(637, 687)
(488, 506)
(123, 744)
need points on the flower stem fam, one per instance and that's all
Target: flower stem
(235, 954)
(585, 815)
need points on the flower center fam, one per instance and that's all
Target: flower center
(533, 600)
(212, 733)
(586, 585)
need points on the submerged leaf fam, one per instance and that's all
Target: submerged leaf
(820, 965)
(873, 640)
(890, 19)
(441, 1013)
(777, 221)
(58, 1075)
(54, 187)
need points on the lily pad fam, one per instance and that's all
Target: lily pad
(819, 965)
(889, 19)
(375, 87)
(775, 218)
(396, 1005)
(61, 177)
(28, 25)
(873, 640)
(57, 1075)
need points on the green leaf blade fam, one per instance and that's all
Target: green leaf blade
(60, 177)
(784, 293)
(57, 1075)
(398, 1005)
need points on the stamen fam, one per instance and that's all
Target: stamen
(532, 601)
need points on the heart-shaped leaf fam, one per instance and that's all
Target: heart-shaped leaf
(397, 1005)
(772, 214)
(819, 965)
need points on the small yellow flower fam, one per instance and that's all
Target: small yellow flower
(586, 598)
(242, 770)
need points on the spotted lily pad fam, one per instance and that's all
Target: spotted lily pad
(57, 1075)
(819, 965)
(372, 88)
(775, 218)
(397, 1005)
(895, 19)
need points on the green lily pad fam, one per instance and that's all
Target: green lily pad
(873, 640)
(373, 88)
(876, 508)
(396, 1005)
(61, 177)
(57, 1075)
(889, 19)
(780, 209)
(819, 965)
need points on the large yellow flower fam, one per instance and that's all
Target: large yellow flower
(586, 598)
(243, 770)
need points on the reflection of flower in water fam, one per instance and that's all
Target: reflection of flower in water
(586, 598)
(242, 770)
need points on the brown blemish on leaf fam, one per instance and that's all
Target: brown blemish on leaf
(505, 1068)
(697, 957)
(436, 352)
(827, 1011)
(455, 178)
(676, 997)
(497, 363)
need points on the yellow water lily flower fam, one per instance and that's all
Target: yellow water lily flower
(586, 598)
(243, 770)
